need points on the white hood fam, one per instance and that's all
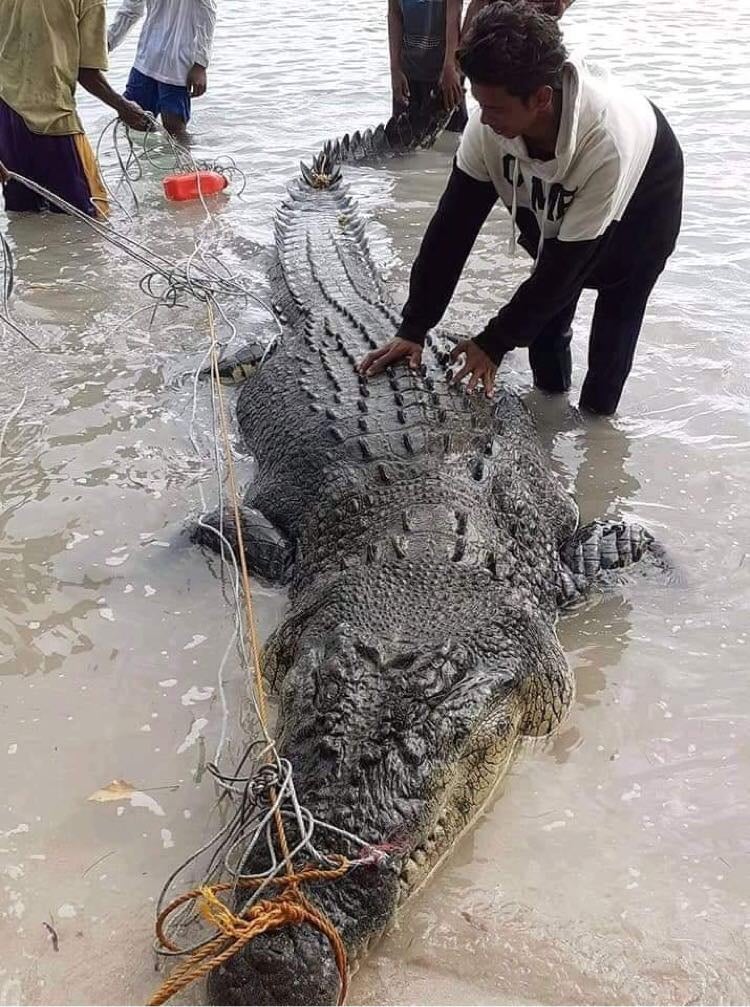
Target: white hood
(601, 151)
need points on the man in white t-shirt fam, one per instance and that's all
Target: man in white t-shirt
(592, 176)
(172, 55)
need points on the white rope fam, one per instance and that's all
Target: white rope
(9, 419)
(253, 818)
(198, 277)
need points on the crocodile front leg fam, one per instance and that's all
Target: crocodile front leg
(268, 553)
(597, 548)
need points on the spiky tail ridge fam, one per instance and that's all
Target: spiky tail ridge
(396, 136)
(323, 172)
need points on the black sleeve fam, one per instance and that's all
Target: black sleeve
(558, 279)
(463, 208)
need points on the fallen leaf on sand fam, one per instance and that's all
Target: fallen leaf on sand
(117, 790)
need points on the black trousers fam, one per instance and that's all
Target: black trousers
(422, 101)
(632, 258)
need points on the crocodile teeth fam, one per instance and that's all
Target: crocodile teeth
(410, 872)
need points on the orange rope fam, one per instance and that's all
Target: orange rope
(247, 591)
(236, 931)
(291, 906)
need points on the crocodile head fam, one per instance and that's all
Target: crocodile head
(400, 744)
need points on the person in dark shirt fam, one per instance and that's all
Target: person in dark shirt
(592, 175)
(423, 38)
(555, 8)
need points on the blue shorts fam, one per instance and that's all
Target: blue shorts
(158, 98)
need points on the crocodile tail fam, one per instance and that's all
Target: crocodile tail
(396, 136)
(322, 173)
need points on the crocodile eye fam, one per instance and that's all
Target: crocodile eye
(405, 660)
(332, 692)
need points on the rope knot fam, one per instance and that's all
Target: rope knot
(218, 915)
(233, 931)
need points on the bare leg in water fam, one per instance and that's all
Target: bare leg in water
(176, 127)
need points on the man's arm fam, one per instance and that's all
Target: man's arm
(463, 208)
(97, 84)
(204, 38)
(92, 55)
(399, 83)
(450, 80)
(130, 11)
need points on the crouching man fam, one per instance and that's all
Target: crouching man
(591, 174)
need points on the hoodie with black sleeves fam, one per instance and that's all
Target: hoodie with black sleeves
(567, 209)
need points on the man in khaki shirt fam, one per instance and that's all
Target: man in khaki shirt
(46, 48)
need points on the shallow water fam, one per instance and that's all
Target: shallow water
(612, 867)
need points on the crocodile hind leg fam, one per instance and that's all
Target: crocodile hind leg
(268, 553)
(597, 549)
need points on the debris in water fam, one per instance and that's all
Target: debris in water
(121, 790)
(98, 861)
(117, 790)
(52, 935)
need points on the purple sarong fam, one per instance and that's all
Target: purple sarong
(51, 161)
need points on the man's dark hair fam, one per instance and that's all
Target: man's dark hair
(513, 45)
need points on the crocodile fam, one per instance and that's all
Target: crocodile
(401, 134)
(428, 548)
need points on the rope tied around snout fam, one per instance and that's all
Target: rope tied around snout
(234, 931)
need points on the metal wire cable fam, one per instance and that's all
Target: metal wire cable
(266, 790)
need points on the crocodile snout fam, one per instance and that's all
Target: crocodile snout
(294, 965)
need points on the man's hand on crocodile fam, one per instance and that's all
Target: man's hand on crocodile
(477, 364)
(376, 361)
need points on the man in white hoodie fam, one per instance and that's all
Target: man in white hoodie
(172, 55)
(592, 176)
